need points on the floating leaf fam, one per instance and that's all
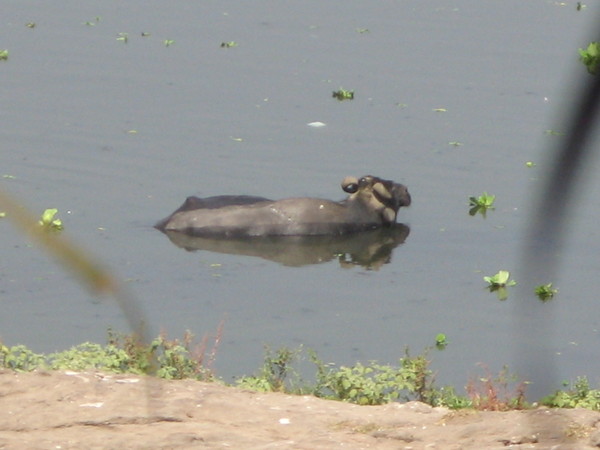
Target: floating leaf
(499, 282)
(123, 37)
(343, 94)
(545, 291)
(502, 277)
(48, 221)
(481, 204)
(590, 57)
(441, 341)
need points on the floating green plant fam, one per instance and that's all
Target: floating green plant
(545, 291)
(229, 44)
(343, 94)
(48, 221)
(590, 57)
(499, 282)
(501, 279)
(3, 55)
(169, 42)
(91, 23)
(123, 37)
(481, 204)
(441, 341)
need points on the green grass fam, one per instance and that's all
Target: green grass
(165, 358)
(375, 384)
(363, 384)
(578, 395)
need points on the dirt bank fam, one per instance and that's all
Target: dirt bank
(93, 410)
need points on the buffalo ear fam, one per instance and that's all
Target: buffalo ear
(350, 185)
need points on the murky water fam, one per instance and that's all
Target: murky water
(451, 100)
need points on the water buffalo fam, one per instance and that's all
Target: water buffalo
(372, 203)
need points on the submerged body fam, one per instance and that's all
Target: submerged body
(372, 203)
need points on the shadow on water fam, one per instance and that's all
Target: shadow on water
(369, 249)
(546, 232)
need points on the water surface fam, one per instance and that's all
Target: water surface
(450, 99)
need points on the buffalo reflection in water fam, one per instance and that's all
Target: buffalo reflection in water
(369, 249)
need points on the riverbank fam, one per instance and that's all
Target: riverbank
(66, 409)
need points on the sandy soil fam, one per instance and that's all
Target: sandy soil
(68, 410)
